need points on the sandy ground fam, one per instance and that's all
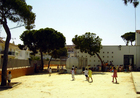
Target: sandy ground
(62, 86)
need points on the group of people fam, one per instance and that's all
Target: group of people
(88, 74)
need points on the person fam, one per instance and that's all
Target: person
(72, 73)
(9, 76)
(62, 67)
(57, 68)
(50, 71)
(100, 68)
(86, 73)
(114, 74)
(130, 68)
(90, 75)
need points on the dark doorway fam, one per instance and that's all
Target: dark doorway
(128, 60)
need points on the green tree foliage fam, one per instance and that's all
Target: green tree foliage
(57, 53)
(88, 43)
(15, 11)
(129, 37)
(43, 40)
(135, 2)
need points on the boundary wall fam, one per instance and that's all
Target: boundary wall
(25, 67)
(17, 72)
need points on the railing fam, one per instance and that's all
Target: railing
(9, 52)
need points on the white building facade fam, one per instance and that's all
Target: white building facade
(118, 55)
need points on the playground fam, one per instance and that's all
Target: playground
(61, 86)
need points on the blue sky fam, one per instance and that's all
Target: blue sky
(109, 19)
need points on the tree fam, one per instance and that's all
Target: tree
(28, 38)
(129, 37)
(43, 40)
(15, 11)
(130, 1)
(57, 53)
(88, 43)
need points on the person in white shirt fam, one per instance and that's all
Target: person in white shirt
(50, 71)
(86, 73)
(9, 76)
(72, 72)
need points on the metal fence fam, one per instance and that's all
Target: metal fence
(14, 63)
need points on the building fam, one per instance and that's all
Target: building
(14, 52)
(116, 54)
(70, 49)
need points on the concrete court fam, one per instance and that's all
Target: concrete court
(62, 86)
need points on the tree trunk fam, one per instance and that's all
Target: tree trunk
(42, 64)
(5, 59)
(49, 62)
(100, 58)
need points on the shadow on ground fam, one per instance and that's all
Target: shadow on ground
(99, 73)
(13, 84)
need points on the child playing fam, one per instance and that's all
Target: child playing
(114, 74)
(57, 68)
(72, 72)
(86, 73)
(130, 68)
(90, 75)
(100, 68)
(9, 78)
(50, 71)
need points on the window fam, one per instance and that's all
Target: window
(112, 52)
(103, 52)
(107, 52)
(103, 56)
(112, 56)
(107, 56)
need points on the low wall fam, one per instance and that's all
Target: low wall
(19, 72)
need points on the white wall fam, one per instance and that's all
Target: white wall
(112, 53)
(23, 54)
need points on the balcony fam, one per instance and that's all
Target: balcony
(9, 52)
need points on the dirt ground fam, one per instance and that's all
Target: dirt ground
(62, 86)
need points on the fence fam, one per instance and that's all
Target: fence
(25, 67)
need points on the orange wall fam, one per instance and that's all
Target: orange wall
(20, 72)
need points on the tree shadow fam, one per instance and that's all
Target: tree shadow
(13, 84)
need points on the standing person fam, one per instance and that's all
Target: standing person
(9, 76)
(114, 74)
(90, 75)
(86, 73)
(72, 73)
(130, 68)
(57, 68)
(50, 71)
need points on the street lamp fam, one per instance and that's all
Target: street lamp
(135, 3)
